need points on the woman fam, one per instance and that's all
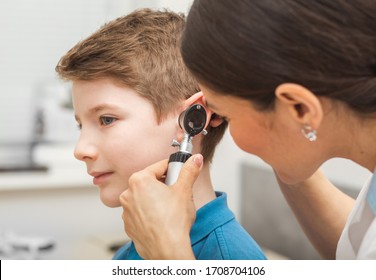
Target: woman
(296, 81)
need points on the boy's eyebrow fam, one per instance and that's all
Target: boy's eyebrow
(102, 107)
(98, 108)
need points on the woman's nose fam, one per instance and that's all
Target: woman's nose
(85, 149)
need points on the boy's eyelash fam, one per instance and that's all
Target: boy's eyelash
(106, 120)
(103, 120)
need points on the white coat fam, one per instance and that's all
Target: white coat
(358, 239)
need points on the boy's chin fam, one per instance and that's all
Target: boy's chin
(110, 200)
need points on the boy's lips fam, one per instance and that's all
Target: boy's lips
(100, 177)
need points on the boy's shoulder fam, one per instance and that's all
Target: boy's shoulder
(127, 252)
(216, 234)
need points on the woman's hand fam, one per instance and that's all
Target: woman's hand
(157, 217)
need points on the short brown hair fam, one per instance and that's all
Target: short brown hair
(140, 51)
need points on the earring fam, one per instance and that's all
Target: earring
(309, 133)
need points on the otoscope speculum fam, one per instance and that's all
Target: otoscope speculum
(193, 120)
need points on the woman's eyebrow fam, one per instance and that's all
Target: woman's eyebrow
(210, 106)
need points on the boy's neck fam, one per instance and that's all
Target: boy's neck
(203, 191)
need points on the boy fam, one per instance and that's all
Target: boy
(129, 87)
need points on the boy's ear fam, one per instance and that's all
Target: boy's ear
(304, 106)
(198, 98)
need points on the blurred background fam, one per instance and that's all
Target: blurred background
(48, 206)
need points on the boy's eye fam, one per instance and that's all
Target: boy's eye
(107, 120)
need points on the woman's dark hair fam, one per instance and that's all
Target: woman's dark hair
(247, 48)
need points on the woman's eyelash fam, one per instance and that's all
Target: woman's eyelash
(225, 118)
(106, 120)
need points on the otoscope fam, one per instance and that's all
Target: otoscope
(192, 121)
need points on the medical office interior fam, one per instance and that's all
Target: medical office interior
(49, 208)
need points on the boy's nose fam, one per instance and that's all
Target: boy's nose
(85, 150)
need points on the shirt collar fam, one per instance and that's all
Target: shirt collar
(210, 216)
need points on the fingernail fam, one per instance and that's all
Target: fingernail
(198, 160)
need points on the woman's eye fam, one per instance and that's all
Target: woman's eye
(225, 118)
(107, 120)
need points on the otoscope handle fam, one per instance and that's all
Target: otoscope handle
(175, 164)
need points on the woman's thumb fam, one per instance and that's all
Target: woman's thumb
(190, 171)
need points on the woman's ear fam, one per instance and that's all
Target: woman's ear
(211, 118)
(304, 106)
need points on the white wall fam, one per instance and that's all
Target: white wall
(34, 35)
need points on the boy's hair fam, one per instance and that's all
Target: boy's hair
(140, 51)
